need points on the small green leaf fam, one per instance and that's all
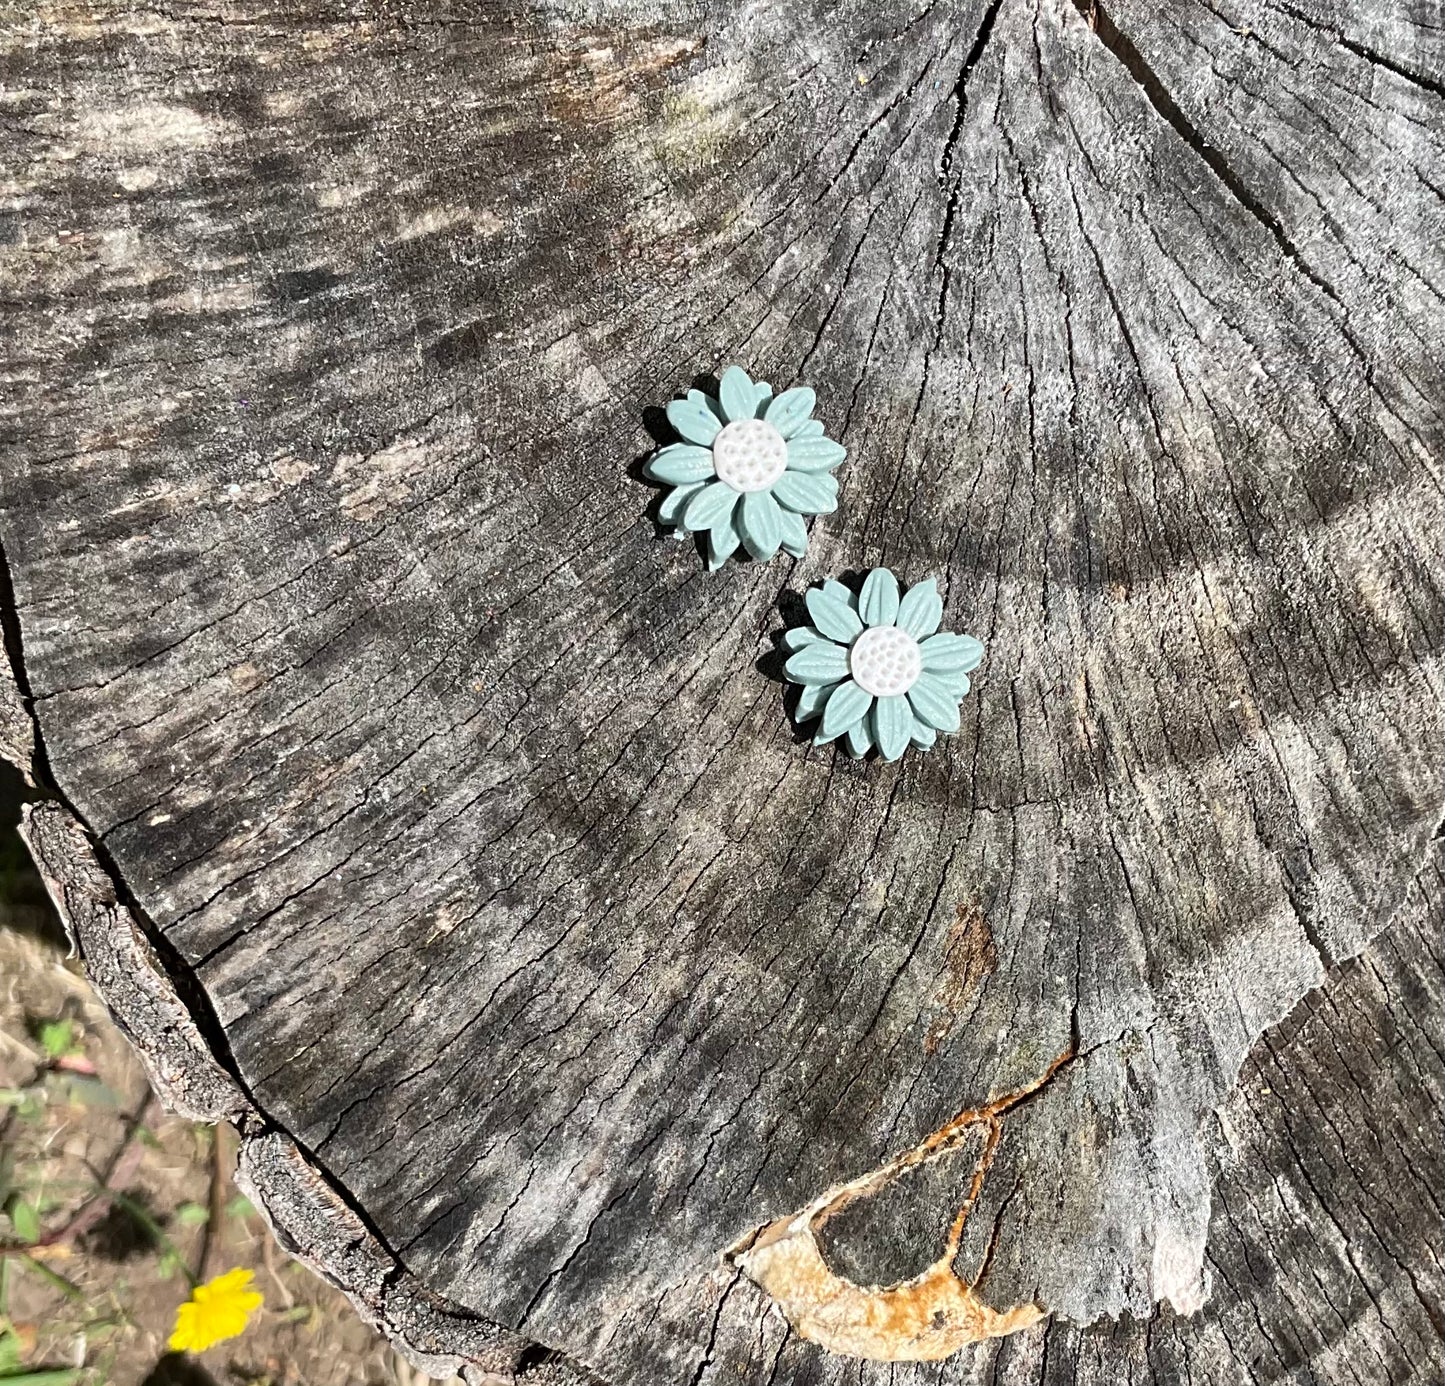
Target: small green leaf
(59, 1376)
(24, 1220)
(58, 1038)
(192, 1215)
(9, 1352)
(240, 1207)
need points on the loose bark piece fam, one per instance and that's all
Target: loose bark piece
(463, 810)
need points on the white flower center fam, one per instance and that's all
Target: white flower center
(749, 455)
(885, 661)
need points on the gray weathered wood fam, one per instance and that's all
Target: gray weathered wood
(462, 810)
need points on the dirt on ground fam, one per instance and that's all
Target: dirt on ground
(112, 1208)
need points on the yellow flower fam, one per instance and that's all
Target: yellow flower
(217, 1310)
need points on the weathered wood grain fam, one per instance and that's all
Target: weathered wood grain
(467, 807)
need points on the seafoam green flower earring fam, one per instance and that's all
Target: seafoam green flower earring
(875, 668)
(750, 466)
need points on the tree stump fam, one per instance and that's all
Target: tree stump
(424, 810)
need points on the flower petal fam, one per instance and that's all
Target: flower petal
(795, 532)
(860, 738)
(815, 454)
(846, 595)
(818, 663)
(846, 706)
(736, 395)
(932, 704)
(679, 463)
(892, 726)
(878, 601)
(713, 503)
(812, 429)
(947, 653)
(921, 610)
(692, 418)
(807, 492)
(761, 524)
(799, 636)
(923, 735)
(675, 502)
(813, 699)
(835, 619)
(722, 542)
(789, 411)
(955, 681)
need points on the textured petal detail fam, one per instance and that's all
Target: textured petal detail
(762, 397)
(949, 653)
(692, 418)
(921, 610)
(713, 503)
(789, 411)
(835, 619)
(878, 601)
(807, 492)
(722, 542)
(846, 595)
(846, 706)
(736, 394)
(892, 726)
(923, 735)
(932, 704)
(708, 402)
(860, 738)
(675, 502)
(799, 636)
(812, 429)
(955, 680)
(761, 524)
(818, 663)
(679, 463)
(795, 532)
(815, 454)
(813, 699)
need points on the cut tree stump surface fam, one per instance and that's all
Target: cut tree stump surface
(427, 811)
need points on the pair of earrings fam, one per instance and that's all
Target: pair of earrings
(876, 672)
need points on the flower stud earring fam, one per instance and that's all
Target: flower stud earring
(876, 669)
(750, 466)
